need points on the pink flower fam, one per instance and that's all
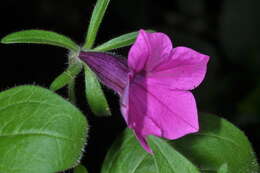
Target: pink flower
(154, 85)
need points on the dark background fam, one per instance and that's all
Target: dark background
(226, 30)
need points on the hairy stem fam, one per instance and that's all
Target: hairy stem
(72, 58)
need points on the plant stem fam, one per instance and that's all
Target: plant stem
(71, 86)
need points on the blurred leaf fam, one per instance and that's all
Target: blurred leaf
(218, 142)
(94, 93)
(167, 159)
(95, 21)
(118, 42)
(40, 131)
(40, 37)
(223, 169)
(64, 78)
(80, 169)
(126, 155)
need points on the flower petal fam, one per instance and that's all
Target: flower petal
(159, 111)
(148, 50)
(184, 69)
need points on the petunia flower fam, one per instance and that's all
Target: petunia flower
(154, 85)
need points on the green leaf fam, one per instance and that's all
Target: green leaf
(169, 160)
(218, 142)
(80, 169)
(95, 22)
(118, 42)
(126, 155)
(40, 37)
(223, 169)
(39, 131)
(219, 147)
(94, 93)
(64, 78)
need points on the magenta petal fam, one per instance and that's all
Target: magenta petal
(183, 70)
(148, 51)
(155, 110)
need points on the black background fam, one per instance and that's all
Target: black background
(226, 30)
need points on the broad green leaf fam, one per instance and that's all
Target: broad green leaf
(219, 147)
(118, 42)
(169, 160)
(218, 142)
(126, 155)
(94, 93)
(95, 21)
(80, 169)
(39, 131)
(64, 78)
(40, 37)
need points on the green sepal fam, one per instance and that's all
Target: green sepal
(95, 95)
(118, 42)
(95, 21)
(65, 78)
(40, 37)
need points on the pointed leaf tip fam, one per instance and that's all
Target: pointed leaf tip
(119, 42)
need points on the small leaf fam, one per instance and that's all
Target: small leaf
(127, 156)
(94, 93)
(95, 21)
(40, 37)
(118, 42)
(39, 131)
(218, 142)
(64, 78)
(80, 169)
